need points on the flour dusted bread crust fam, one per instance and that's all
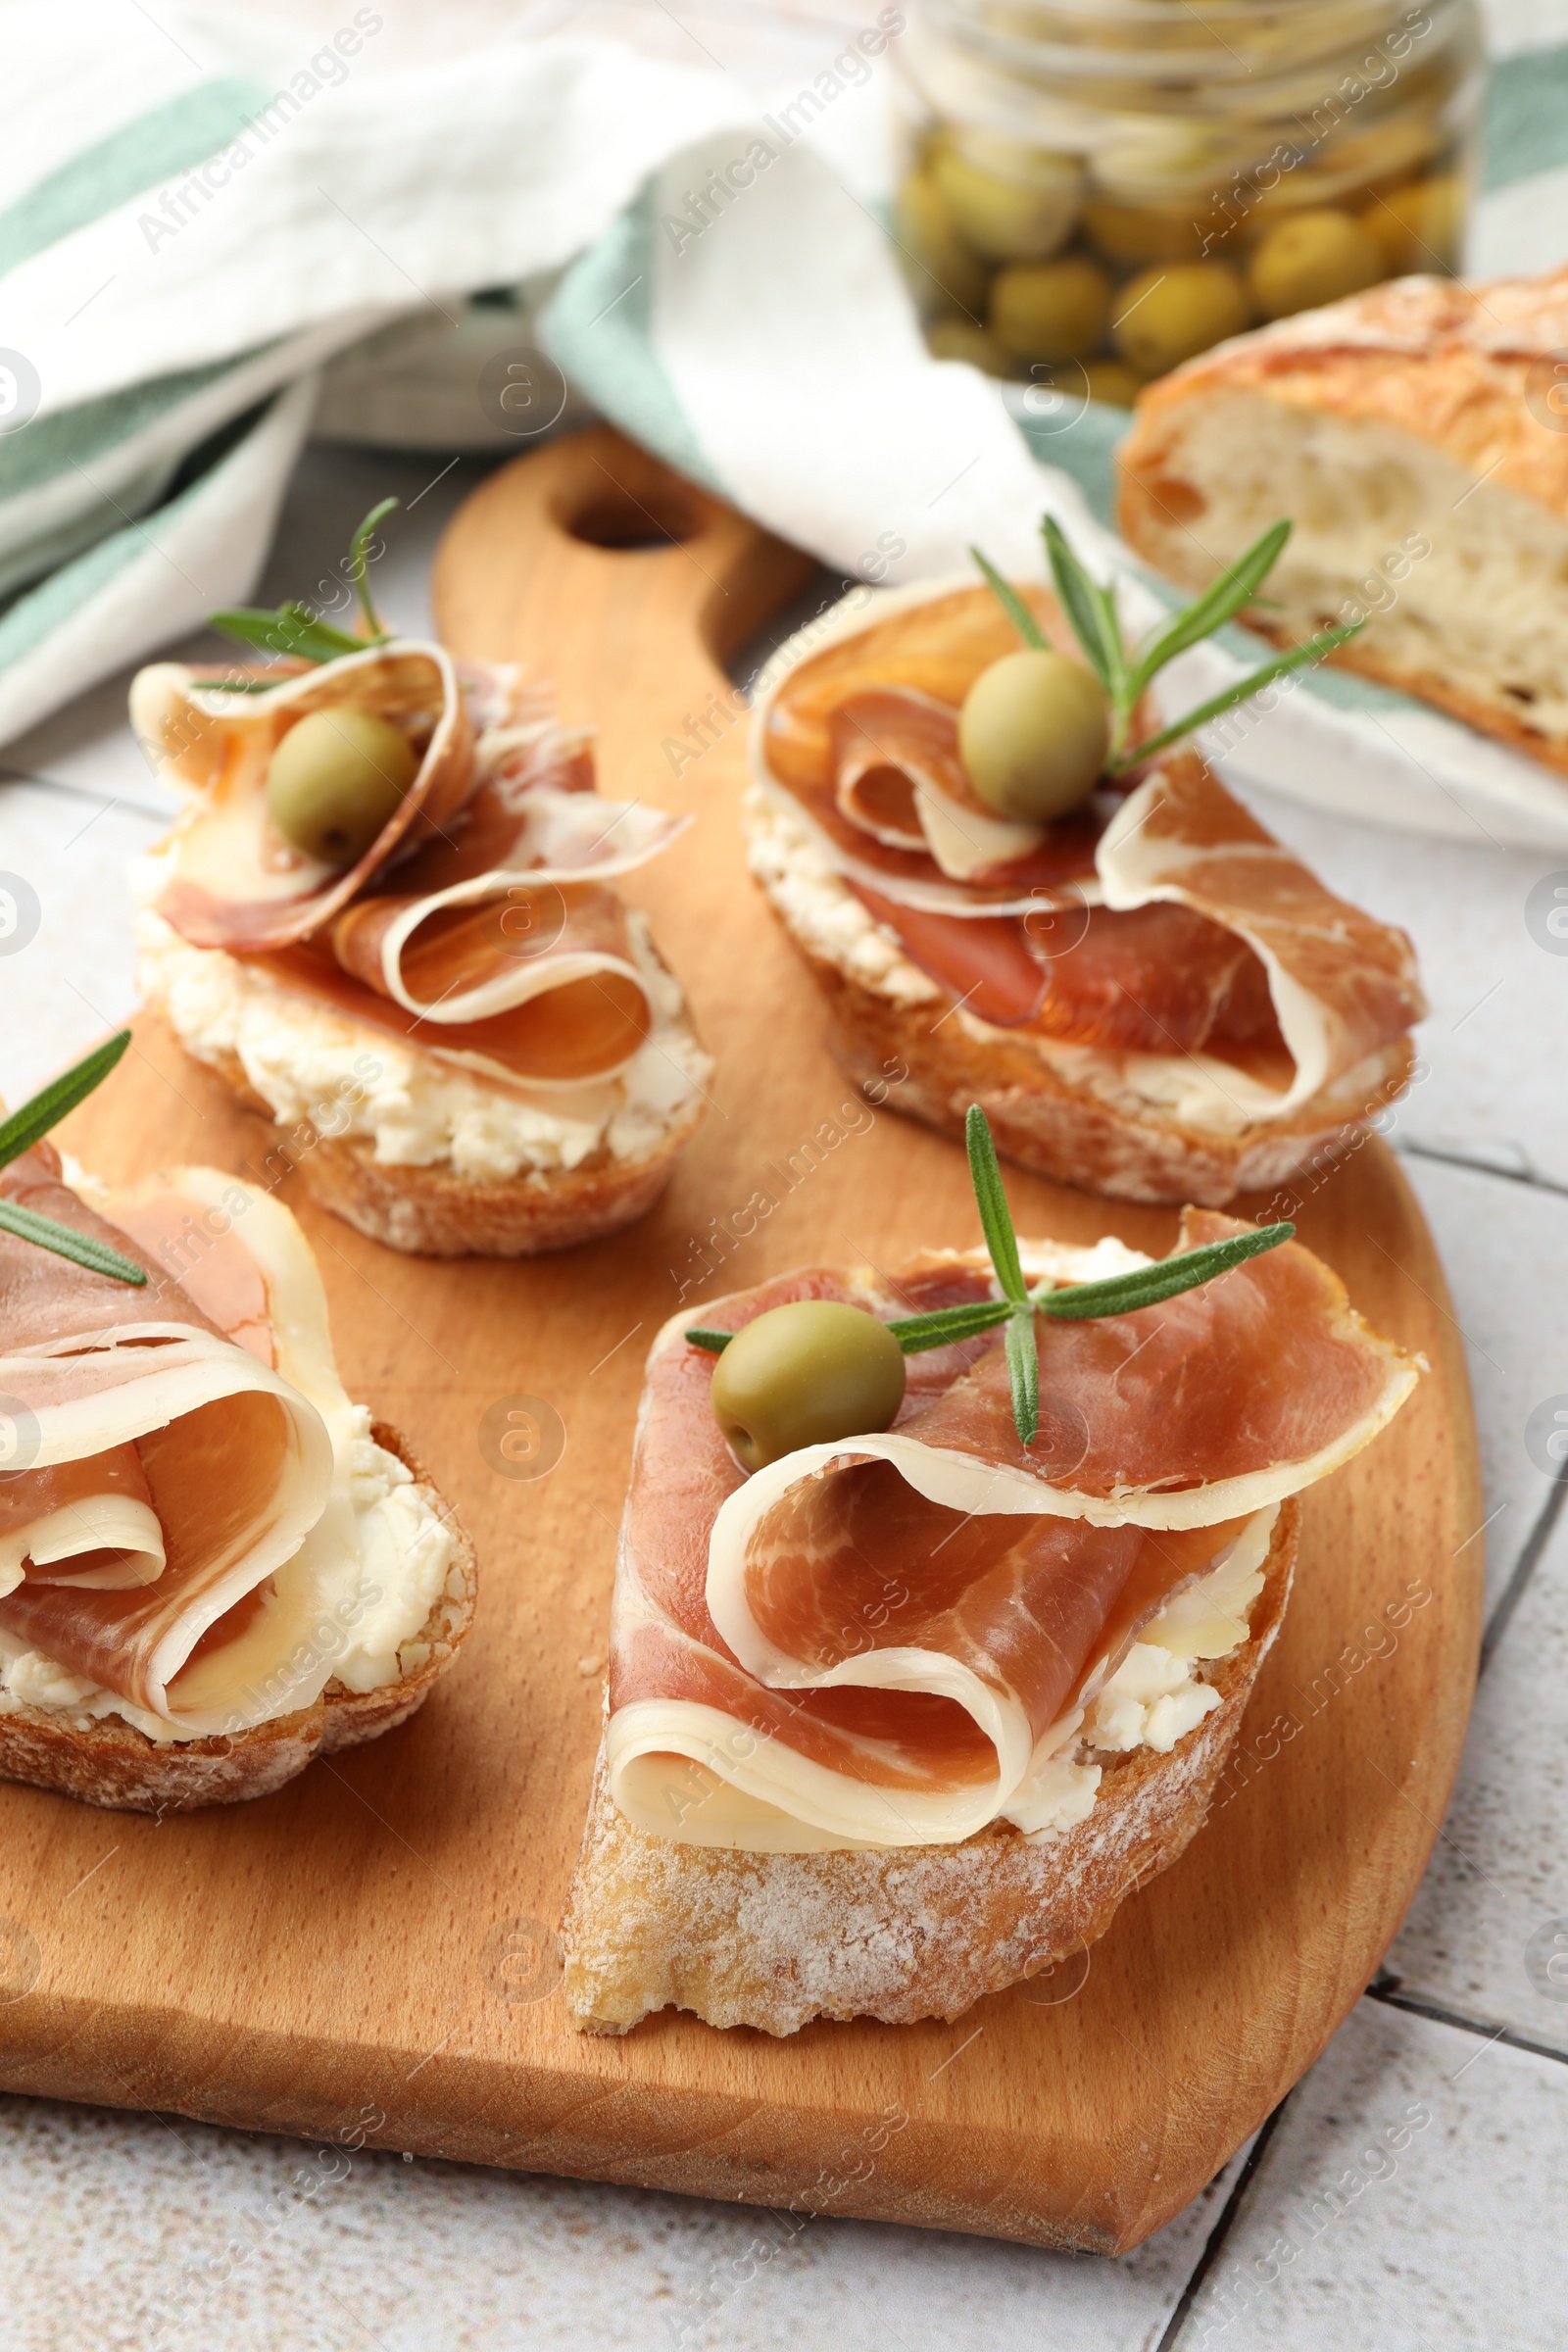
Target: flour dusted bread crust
(1416, 437)
(435, 1213)
(1044, 1121)
(106, 1761)
(772, 1940)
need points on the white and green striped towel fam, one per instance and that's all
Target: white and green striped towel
(213, 228)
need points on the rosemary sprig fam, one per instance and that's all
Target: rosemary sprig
(1071, 1301)
(1126, 672)
(27, 1126)
(24, 1128)
(66, 1242)
(359, 566)
(294, 631)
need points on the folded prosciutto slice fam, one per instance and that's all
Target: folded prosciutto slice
(179, 1520)
(1159, 919)
(482, 901)
(879, 1642)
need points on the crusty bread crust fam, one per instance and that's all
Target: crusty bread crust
(1063, 1131)
(108, 1762)
(1445, 363)
(772, 1940)
(433, 1212)
(1499, 719)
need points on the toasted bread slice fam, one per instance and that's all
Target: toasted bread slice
(430, 1208)
(1044, 1121)
(920, 1053)
(107, 1761)
(435, 1213)
(772, 1940)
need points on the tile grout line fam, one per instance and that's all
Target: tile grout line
(1391, 1995)
(1482, 1167)
(1524, 1568)
(1214, 2243)
(84, 792)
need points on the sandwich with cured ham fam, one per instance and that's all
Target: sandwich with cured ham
(1007, 876)
(915, 1676)
(386, 916)
(214, 1566)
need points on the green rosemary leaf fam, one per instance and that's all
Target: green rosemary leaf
(915, 1334)
(28, 1124)
(1115, 651)
(1023, 1374)
(716, 1341)
(1316, 648)
(996, 1219)
(66, 1242)
(359, 564)
(1213, 609)
(1082, 602)
(1167, 1278)
(1012, 603)
(293, 630)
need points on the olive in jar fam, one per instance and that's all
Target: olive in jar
(1009, 218)
(1311, 259)
(1167, 316)
(1050, 310)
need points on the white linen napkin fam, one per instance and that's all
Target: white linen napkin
(198, 215)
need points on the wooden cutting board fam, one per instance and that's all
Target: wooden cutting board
(369, 1955)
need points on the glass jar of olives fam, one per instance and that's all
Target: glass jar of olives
(1094, 191)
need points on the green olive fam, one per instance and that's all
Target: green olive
(804, 1375)
(1050, 310)
(1417, 227)
(1033, 735)
(1312, 259)
(1167, 316)
(1007, 217)
(335, 779)
(961, 339)
(1142, 232)
(942, 270)
(1114, 382)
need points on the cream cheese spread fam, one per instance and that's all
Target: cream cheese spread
(405, 1561)
(313, 1064)
(1157, 1694)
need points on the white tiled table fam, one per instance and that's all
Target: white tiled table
(1408, 2193)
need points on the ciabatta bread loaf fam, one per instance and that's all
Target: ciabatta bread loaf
(1417, 438)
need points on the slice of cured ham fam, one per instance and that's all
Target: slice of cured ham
(1163, 922)
(479, 922)
(232, 881)
(562, 950)
(208, 1403)
(1343, 985)
(877, 1641)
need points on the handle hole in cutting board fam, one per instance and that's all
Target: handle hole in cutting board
(615, 518)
